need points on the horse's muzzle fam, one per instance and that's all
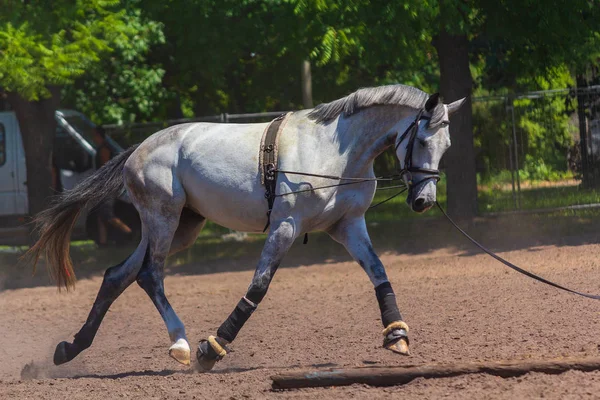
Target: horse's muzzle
(421, 205)
(420, 200)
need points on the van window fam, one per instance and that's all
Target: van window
(2, 145)
(68, 154)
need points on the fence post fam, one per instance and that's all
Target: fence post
(306, 78)
(587, 174)
(510, 162)
(515, 151)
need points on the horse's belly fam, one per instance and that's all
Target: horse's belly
(220, 174)
(229, 208)
(231, 196)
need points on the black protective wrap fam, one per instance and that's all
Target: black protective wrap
(387, 304)
(236, 320)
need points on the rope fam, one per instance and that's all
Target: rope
(353, 181)
(513, 266)
(339, 178)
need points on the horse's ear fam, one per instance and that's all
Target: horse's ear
(456, 105)
(432, 102)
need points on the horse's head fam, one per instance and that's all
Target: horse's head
(420, 148)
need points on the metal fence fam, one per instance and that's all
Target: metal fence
(531, 147)
(531, 143)
(134, 133)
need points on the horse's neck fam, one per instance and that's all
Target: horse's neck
(367, 134)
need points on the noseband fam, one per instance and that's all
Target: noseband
(408, 169)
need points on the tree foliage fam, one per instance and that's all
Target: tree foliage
(44, 45)
(53, 42)
(125, 86)
(125, 61)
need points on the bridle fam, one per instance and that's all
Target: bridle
(408, 169)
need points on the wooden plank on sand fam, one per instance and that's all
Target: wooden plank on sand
(389, 376)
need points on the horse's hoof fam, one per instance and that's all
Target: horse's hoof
(205, 362)
(61, 354)
(180, 351)
(399, 347)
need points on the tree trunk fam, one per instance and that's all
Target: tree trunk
(38, 126)
(174, 110)
(307, 100)
(3, 101)
(455, 83)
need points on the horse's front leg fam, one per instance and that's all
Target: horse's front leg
(352, 233)
(281, 237)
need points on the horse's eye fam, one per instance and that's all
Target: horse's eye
(423, 143)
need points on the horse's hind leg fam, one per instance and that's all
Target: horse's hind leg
(167, 235)
(354, 236)
(116, 280)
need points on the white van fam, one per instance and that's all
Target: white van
(74, 157)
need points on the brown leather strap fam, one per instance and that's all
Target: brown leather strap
(268, 160)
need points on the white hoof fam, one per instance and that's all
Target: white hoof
(180, 351)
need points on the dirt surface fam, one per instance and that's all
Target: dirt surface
(319, 313)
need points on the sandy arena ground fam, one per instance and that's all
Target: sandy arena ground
(319, 313)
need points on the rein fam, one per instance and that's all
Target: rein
(353, 182)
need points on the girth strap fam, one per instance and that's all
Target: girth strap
(268, 160)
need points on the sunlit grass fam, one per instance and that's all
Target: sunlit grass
(494, 200)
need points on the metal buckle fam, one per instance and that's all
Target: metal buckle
(408, 176)
(270, 171)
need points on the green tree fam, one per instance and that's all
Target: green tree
(43, 46)
(510, 39)
(125, 86)
(244, 56)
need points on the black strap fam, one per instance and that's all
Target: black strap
(513, 266)
(408, 168)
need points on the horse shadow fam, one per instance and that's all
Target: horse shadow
(418, 235)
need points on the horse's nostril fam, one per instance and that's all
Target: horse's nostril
(419, 202)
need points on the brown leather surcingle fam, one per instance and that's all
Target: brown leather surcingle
(268, 160)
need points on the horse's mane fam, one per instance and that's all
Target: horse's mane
(401, 95)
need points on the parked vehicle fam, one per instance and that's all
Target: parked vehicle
(74, 159)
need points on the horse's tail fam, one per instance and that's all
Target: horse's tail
(55, 224)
